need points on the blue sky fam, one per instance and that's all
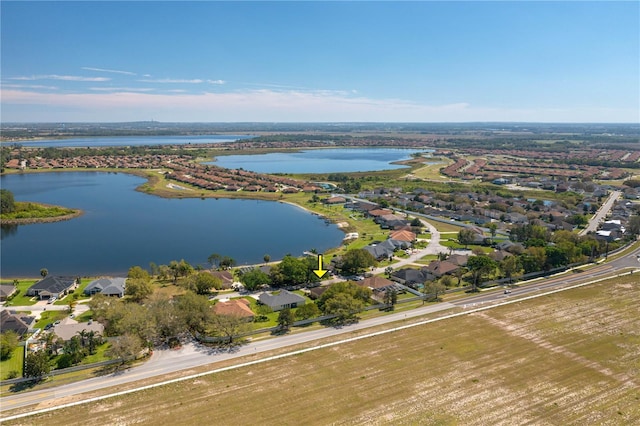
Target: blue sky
(320, 61)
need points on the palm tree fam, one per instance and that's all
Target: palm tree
(44, 272)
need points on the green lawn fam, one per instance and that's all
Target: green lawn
(22, 299)
(50, 316)
(12, 364)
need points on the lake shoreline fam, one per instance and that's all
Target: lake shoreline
(36, 220)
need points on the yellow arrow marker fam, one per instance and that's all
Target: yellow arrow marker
(320, 272)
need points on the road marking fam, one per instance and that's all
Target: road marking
(313, 348)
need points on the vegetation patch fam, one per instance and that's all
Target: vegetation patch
(446, 372)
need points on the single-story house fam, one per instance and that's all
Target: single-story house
(411, 277)
(225, 276)
(281, 300)
(335, 200)
(6, 290)
(385, 249)
(52, 286)
(234, 307)
(69, 327)
(376, 283)
(441, 267)
(316, 292)
(15, 322)
(106, 286)
(406, 236)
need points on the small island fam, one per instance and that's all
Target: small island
(22, 213)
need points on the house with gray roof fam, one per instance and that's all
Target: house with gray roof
(52, 286)
(15, 322)
(106, 286)
(281, 300)
(6, 290)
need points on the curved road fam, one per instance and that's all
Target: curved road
(193, 355)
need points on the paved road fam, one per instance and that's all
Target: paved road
(193, 355)
(601, 213)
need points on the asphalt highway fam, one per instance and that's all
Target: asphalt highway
(165, 361)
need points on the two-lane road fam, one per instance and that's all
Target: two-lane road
(194, 355)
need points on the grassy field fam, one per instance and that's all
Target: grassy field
(21, 299)
(12, 364)
(570, 358)
(28, 210)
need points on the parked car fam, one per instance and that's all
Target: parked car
(48, 326)
(51, 300)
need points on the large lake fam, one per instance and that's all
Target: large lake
(132, 141)
(325, 160)
(121, 227)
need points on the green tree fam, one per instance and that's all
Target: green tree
(290, 271)
(227, 262)
(511, 267)
(195, 311)
(203, 282)
(433, 290)
(44, 272)
(169, 321)
(493, 229)
(36, 365)
(137, 273)
(138, 289)
(286, 318)
(345, 287)
(266, 258)
(214, 260)
(308, 310)
(480, 266)
(466, 237)
(391, 298)
(8, 342)
(254, 279)
(125, 347)
(228, 326)
(356, 260)
(7, 202)
(344, 306)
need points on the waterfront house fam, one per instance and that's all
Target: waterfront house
(106, 286)
(52, 286)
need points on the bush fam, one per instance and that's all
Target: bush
(13, 295)
(13, 374)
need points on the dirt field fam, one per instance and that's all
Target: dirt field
(572, 358)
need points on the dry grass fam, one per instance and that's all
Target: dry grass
(571, 358)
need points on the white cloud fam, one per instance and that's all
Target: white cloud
(111, 71)
(172, 80)
(122, 89)
(275, 106)
(216, 81)
(29, 86)
(60, 77)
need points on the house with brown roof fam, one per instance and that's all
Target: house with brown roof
(376, 283)
(403, 235)
(225, 276)
(441, 267)
(234, 307)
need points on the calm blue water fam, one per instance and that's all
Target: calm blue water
(330, 160)
(133, 141)
(122, 228)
